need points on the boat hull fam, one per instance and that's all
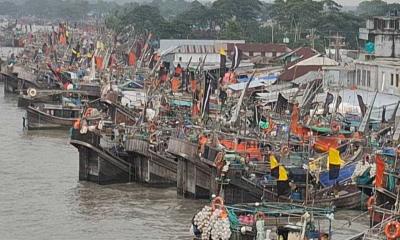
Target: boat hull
(41, 120)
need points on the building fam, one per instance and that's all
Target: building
(384, 33)
(302, 61)
(381, 74)
(193, 53)
(379, 68)
(181, 51)
(268, 50)
(170, 44)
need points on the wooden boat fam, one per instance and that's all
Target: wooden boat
(262, 220)
(17, 79)
(53, 97)
(47, 116)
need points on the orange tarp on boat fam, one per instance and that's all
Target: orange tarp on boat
(252, 150)
(323, 143)
(175, 84)
(295, 127)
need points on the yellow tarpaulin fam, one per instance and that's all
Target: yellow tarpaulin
(283, 176)
(334, 157)
(273, 162)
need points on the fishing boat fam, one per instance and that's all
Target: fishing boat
(53, 97)
(18, 79)
(262, 220)
(48, 116)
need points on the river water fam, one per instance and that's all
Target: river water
(41, 197)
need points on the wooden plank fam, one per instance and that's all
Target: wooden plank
(396, 134)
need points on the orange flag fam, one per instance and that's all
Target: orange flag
(99, 62)
(380, 168)
(132, 59)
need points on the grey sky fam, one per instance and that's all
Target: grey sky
(356, 2)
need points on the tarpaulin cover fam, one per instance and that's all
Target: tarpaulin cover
(389, 152)
(345, 174)
(181, 103)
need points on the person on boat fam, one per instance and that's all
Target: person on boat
(222, 96)
(203, 139)
(324, 236)
(229, 78)
(163, 74)
(12, 60)
(45, 48)
(175, 84)
(178, 71)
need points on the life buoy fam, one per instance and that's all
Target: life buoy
(335, 127)
(370, 204)
(153, 138)
(217, 202)
(392, 230)
(285, 150)
(88, 112)
(32, 92)
(152, 128)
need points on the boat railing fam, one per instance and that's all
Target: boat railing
(376, 232)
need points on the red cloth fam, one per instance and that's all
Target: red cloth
(132, 59)
(63, 40)
(99, 62)
(380, 169)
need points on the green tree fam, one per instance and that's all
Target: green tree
(372, 8)
(241, 10)
(143, 18)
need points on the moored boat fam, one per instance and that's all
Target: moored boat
(47, 116)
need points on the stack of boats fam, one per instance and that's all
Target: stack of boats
(275, 159)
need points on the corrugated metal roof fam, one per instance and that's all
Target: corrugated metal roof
(273, 96)
(308, 77)
(171, 43)
(254, 84)
(202, 49)
(259, 47)
(317, 61)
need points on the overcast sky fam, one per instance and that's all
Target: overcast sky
(356, 2)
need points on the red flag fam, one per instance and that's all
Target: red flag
(380, 168)
(132, 59)
(99, 62)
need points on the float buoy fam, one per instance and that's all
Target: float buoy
(335, 127)
(370, 203)
(285, 150)
(392, 230)
(32, 92)
(217, 202)
(152, 128)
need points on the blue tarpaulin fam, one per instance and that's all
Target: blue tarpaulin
(181, 103)
(389, 152)
(345, 174)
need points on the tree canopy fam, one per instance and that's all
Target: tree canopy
(251, 20)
